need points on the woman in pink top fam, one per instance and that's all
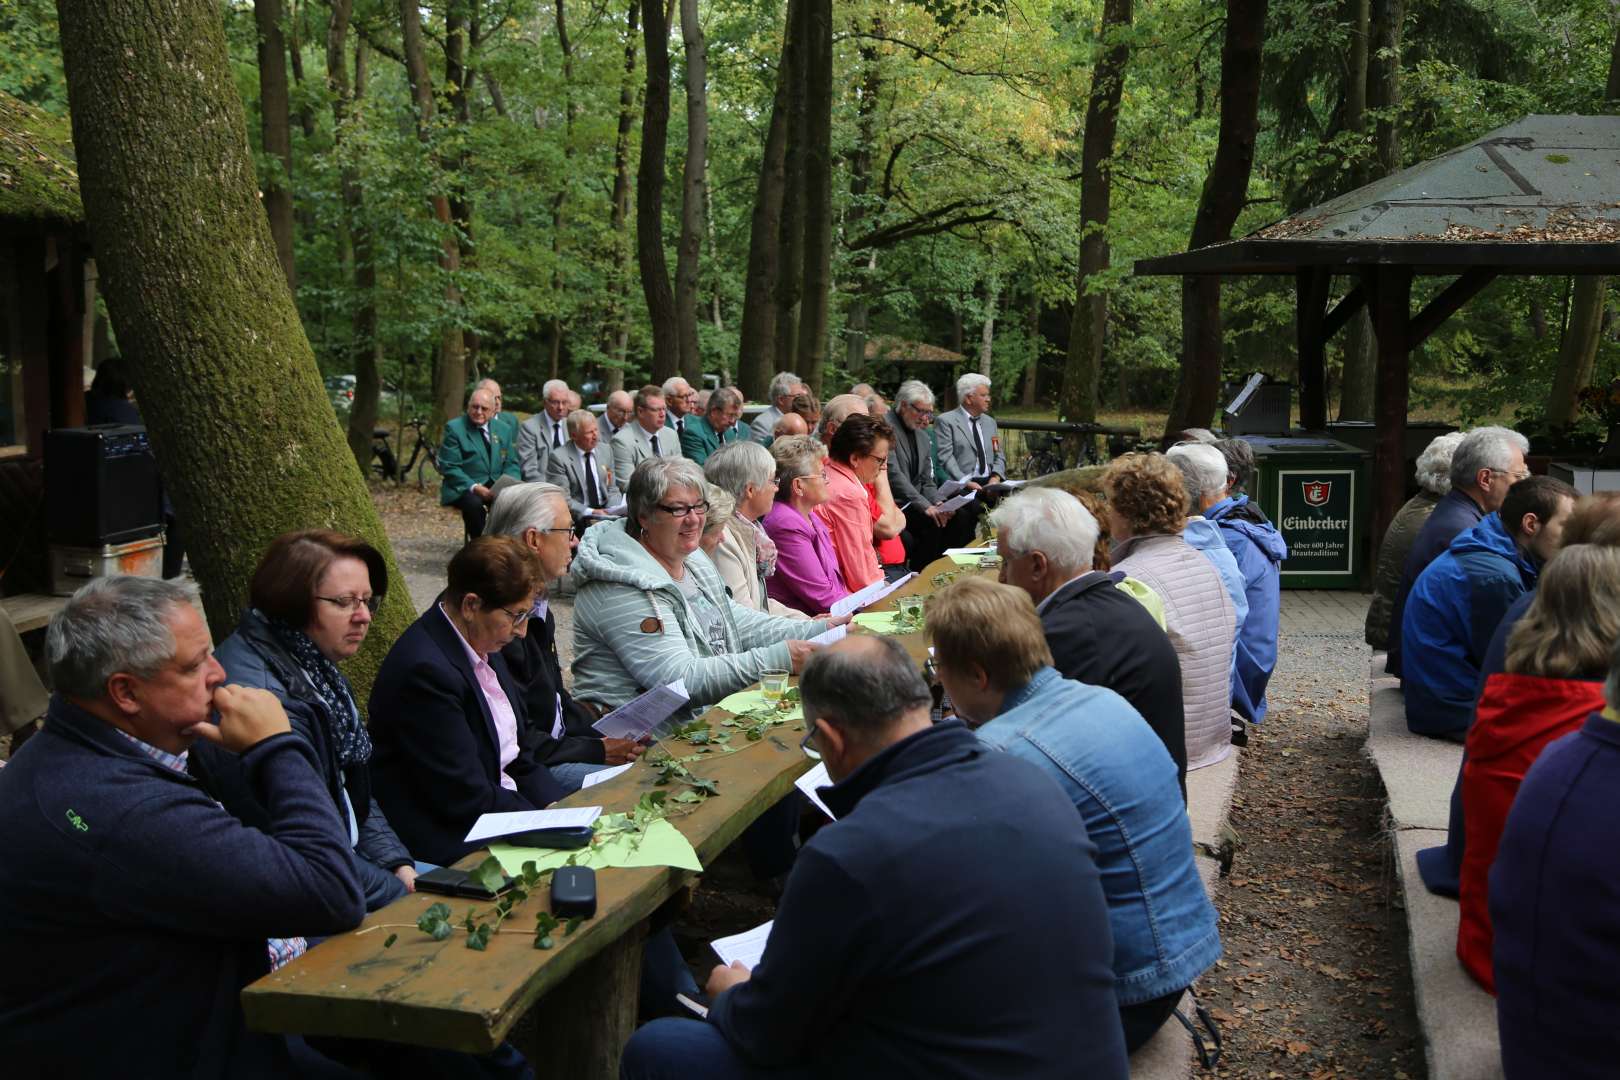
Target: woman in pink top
(859, 450)
(806, 577)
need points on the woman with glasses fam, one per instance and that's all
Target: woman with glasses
(651, 608)
(311, 601)
(744, 555)
(453, 734)
(807, 578)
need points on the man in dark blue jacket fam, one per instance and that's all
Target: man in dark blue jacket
(133, 909)
(1486, 464)
(1457, 603)
(950, 923)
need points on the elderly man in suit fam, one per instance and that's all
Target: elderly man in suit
(678, 398)
(581, 471)
(615, 416)
(545, 431)
(473, 458)
(503, 422)
(645, 436)
(715, 428)
(929, 530)
(782, 389)
(966, 436)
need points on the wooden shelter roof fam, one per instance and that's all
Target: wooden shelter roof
(900, 351)
(39, 180)
(1541, 195)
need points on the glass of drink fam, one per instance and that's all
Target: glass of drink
(911, 607)
(773, 684)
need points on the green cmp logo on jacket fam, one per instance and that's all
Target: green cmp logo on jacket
(77, 822)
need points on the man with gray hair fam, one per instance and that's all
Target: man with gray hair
(1098, 632)
(616, 414)
(1487, 462)
(585, 472)
(504, 422)
(834, 413)
(475, 459)
(717, 427)
(929, 529)
(126, 881)
(781, 392)
(967, 439)
(678, 396)
(545, 431)
(537, 515)
(879, 928)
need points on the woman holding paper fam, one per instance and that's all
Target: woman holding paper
(651, 608)
(807, 576)
(743, 553)
(855, 459)
(452, 732)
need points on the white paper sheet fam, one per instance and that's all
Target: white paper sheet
(747, 946)
(958, 502)
(980, 551)
(951, 487)
(828, 637)
(857, 600)
(635, 719)
(816, 778)
(489, 825)
(604, 774)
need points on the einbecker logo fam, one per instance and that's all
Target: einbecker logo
(1317, 491)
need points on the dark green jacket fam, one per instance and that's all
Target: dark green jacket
(465, 459)
(699, 440)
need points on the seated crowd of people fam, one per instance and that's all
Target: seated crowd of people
(190, 818)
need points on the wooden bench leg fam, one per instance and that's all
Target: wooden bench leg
(579, 1029)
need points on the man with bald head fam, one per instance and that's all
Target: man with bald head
(881, 927)
(789, 424)
(473, 459)
(617, 414)
(834, 412)
(503, 422)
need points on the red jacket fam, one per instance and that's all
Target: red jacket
(1517, 716)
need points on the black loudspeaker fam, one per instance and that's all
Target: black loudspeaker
(101, 485)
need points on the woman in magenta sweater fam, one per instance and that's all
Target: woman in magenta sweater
(807, 576)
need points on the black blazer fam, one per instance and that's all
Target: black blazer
(436, 761)
(532, 660)
(1102, 636)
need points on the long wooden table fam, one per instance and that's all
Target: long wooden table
(442, 994)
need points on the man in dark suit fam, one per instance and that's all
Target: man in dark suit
(473, 457)
(584, 472)
(572, 749)
(1098, 633)
(929, 530)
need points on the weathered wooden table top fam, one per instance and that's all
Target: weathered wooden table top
(443, 994)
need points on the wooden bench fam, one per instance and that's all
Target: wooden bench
(31, 611)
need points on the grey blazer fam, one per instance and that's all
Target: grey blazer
(607, 431)
(954, 434)
(534, 446)
(630, 447)
(911, 475)
(567, 471)
(763, 428)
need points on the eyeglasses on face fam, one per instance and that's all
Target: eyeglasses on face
(518, 617)
(1515, 475)
(680, 511)
(808, 743)
(352, 604)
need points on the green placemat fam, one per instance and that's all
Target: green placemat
(968, 558)
(661, 845)
(879, 622)
(745, 700)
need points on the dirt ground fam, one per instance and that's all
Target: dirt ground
(1315, 980)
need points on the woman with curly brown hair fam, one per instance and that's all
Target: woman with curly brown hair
(1147, 509)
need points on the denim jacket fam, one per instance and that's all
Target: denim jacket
(1121, 779)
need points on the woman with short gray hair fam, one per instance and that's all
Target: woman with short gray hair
(744, 554)
(1434, 480)
(652, 609)
(807, 575)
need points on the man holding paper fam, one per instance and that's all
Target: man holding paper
(968, 443)
(930, 528)
(950, 922)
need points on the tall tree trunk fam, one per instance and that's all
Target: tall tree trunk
(757, 334)
(171, 197)
(1384, 81)
(693, 185)
(818, 214)
(790, 269)
(858, 313)
(987, 332)
(619, 216)
(650, 195)
(1083, 365)
(458, 76)
(1032, 373)
(1225, 190)
(354, 240)
(1360, 355)
(296, 24)
(276, 129)
(1577, 352)
(559, 202)
(450, 368)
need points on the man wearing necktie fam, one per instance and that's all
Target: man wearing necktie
(544, 432)
(678, 395)
(473, 458)
(579, 470)
(969, 445)
(644, 436)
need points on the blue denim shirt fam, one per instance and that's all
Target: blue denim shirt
(1121, 779)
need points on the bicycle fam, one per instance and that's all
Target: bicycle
(383, 463)
(1043, 454)
(425, 449)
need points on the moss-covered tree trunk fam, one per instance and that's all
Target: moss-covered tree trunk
(228, 386)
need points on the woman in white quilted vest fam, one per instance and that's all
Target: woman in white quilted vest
(1147, 509)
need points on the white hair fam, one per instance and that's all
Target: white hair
(1198, 435)
(578, 420)
(1484, 448)
(554, 384)
(737, 465)
(1203, 470)
(1052, 522)
(111, 625)
(674, 383)
(913, 392)
(1434, 464)
(653, 479)
(784, 384)
(969, 383)
(525, 506)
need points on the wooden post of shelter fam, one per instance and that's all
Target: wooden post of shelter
(1389, 291)
(1311, 294)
